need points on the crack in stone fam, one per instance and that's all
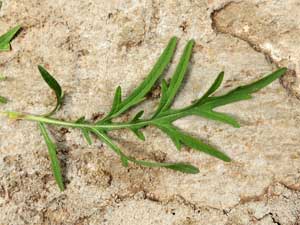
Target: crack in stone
(287, 81)
(265, 196)
(269, 214)
(142, 194)
(218, 29)
(291, 187)
(273, 219)
(255, 198)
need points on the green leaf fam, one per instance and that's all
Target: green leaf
(205, 105)
(164, 95)
(140, 92)
(181, 167)
(54, 85)
(244, 92)
(53, 157)
(3, 100)
(137, 117)
(6, 38)
(103, 137)
(2, 77)
(172, 134)
(138, 133)
(186, 168)
(176, 80)
(212, 89)
(84, 131)
(198, 145)
(117, 101)
(163, 118)
(222, 117)
(192, 142)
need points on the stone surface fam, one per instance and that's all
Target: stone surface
(92, 46)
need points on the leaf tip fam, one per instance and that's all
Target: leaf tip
(61, 188)
(227, 159)
(283, 70)
(41, 68)
(174, 38)
(192, 41)
(237, 125)
(17, 28)
(184, 168)
(193, 170)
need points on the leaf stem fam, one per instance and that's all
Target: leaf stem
(49, 120)
(166, 116)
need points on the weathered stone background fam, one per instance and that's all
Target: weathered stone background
(92, 46)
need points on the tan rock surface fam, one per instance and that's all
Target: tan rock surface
(92, 46)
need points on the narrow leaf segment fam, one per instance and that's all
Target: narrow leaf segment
(54, 85)
(6, 38)
(53, 157)
(138, 94)
(3, 100)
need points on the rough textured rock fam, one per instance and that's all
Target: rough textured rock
(93, 46)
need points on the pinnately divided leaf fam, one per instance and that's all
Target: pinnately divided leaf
(162, 118)
(6, 38)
